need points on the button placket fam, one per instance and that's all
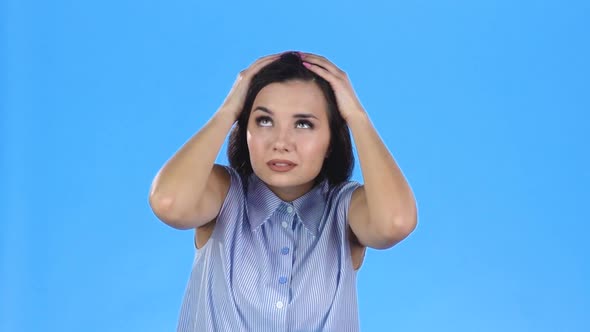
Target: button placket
(284, 273)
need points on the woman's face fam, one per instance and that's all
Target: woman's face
(288, 136)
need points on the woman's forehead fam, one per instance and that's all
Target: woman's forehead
(290, 97)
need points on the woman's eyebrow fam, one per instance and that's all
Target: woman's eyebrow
(305, 116)
(298, 115)
(263, 109)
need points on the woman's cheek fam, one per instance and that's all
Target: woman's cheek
(258, 139)
(318, 142)
(314, 148)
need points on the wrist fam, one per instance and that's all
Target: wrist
(355, 116)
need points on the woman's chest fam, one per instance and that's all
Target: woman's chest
(282, 265)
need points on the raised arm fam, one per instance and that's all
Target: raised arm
(383, 211)
(189, 189)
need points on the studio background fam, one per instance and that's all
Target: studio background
(484, 105)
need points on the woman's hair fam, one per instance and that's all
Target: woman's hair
(339, 163)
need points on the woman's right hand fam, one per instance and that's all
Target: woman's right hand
(234, 102)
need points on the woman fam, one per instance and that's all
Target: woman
(281, 232)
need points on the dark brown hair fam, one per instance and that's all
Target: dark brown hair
(339, 163)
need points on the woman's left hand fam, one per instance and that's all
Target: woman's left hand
(348, 102)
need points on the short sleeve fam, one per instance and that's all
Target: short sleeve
(235, 194)
(232, 209)
(342, 195)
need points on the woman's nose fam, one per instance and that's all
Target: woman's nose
(283, 141)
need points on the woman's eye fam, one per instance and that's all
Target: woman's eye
(304, 125)
(264, 122)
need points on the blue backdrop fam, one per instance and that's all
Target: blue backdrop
(484, 104)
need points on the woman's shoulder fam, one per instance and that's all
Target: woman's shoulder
(235, 192)
(236, 179)
(341, 193)
(343, 188)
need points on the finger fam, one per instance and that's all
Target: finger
(335, 81)
(260, 63)
(322, 72)
(322, 61)
(265, 59)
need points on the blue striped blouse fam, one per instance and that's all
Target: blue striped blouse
(272, 265)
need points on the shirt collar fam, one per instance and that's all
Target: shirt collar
(262, 203)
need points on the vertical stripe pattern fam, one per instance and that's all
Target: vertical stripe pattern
(271, 265)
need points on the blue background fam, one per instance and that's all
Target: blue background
(484, 104)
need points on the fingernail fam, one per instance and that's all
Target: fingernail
(307, 65)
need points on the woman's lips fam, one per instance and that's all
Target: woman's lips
(281, 165)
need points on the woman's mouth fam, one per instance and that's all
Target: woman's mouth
(281, 165)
